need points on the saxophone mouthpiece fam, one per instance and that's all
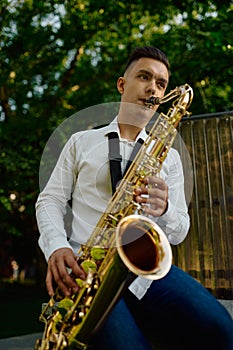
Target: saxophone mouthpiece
(152, 101)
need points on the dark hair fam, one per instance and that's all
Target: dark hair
(150, 52)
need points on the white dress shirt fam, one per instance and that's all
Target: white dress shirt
(83, 174)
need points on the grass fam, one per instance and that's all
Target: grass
(20, 306)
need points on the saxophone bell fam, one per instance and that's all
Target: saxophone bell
(143, 247)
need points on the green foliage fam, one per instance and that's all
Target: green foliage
(58, 57)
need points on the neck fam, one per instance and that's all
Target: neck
(132, 118)
(128, 132)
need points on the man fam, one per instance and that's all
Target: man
(175, 312)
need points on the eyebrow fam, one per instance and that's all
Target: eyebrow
(151, 75)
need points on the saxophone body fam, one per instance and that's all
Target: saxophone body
(124, 244)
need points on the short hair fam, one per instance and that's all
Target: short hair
(150, 52)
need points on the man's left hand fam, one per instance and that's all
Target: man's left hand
(154, 193)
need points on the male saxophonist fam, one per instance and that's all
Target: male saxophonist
(174, 312)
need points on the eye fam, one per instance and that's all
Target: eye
(143, 76)
(161, 84)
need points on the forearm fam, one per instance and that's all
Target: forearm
(175, 223)
(50, 222)
(52, 203)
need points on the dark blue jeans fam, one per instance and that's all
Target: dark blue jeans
(177, 313)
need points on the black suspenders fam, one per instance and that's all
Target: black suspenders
(133, 154)
(115, 158)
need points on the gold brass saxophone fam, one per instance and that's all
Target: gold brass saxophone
(125, 243)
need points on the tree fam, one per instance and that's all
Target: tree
(58, 57)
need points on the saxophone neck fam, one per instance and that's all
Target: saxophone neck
(184, 94)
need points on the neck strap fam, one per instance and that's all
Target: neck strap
(115, 158)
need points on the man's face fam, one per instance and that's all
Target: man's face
(144, 78)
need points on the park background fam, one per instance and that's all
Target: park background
(60, 57)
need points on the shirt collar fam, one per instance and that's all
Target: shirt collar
(113, 127)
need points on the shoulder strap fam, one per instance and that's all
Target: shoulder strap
(114, 159)
(133, 154)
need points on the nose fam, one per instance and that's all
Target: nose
(151, 88)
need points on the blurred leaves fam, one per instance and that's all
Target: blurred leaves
(59, 57)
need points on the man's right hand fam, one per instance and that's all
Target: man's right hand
(58, 263)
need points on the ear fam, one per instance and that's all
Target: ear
(121, 85)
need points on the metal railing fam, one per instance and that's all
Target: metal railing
(207, 252)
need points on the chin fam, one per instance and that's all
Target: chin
(137, 115)
(141, 118)
(143, 115)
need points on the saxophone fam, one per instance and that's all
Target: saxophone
(124, 244)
